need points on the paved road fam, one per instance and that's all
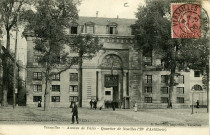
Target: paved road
(155, 117)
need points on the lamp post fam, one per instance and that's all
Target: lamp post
(192, 100)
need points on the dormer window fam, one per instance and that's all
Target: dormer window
(147, 53)
(73, 30)
(112, 28)
(89, 28)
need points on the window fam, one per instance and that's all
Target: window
(164, 99)
(73, 88)
(73, 30)
(36, 58)
(148, 99)
(147, 53)
(164, 79)
(164, 90)
(112, 30)
(196, 73)
(37, 98)
(107, 92)
(37, 75)
(197, 88)
(148, 78)
(148, 61)
(55, 98)
(89, 29)
(180, 90)
(56, 88)
(180, 99)
(181, 79)
(73, 76)
(37, 88)
(56, 77)
(73, 98)
(148, 90)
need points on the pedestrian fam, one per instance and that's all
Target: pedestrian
(39, 103)
(95, 104)
(135, 106)
(91, 104)
(113, 106)
(74, 113)
(197, 104)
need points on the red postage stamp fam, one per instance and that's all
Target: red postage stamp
(186, 20)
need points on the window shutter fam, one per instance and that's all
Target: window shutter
(82, 28)
(116, 31)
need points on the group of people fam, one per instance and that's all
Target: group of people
(93, 104)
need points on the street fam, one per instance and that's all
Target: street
(144, 117)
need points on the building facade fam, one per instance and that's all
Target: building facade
(118, 73)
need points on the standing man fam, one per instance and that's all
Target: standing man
(75, 112)
(91, 104)
(95, 104)
(197, 104)
(40, 103)
(135, 106)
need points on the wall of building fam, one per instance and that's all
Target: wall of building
(131, 74)
(197, 95)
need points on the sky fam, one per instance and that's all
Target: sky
(110, 8)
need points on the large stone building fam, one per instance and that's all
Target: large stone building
(117, 73)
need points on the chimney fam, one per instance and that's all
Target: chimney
(96, 13)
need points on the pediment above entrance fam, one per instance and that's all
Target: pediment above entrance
(112, 61)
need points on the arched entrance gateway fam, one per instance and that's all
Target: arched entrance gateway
(113, 81)
(199, 95)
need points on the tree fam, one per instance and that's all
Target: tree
(10, 78)
(9, 10)
(48, 23)
(153, 34)
(87, 46)
(198, 59)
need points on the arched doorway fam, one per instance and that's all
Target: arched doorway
(199, 95)
(112, 80)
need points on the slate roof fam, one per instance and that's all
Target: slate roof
(105, 21)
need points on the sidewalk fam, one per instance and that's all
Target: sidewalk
(155, 117)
